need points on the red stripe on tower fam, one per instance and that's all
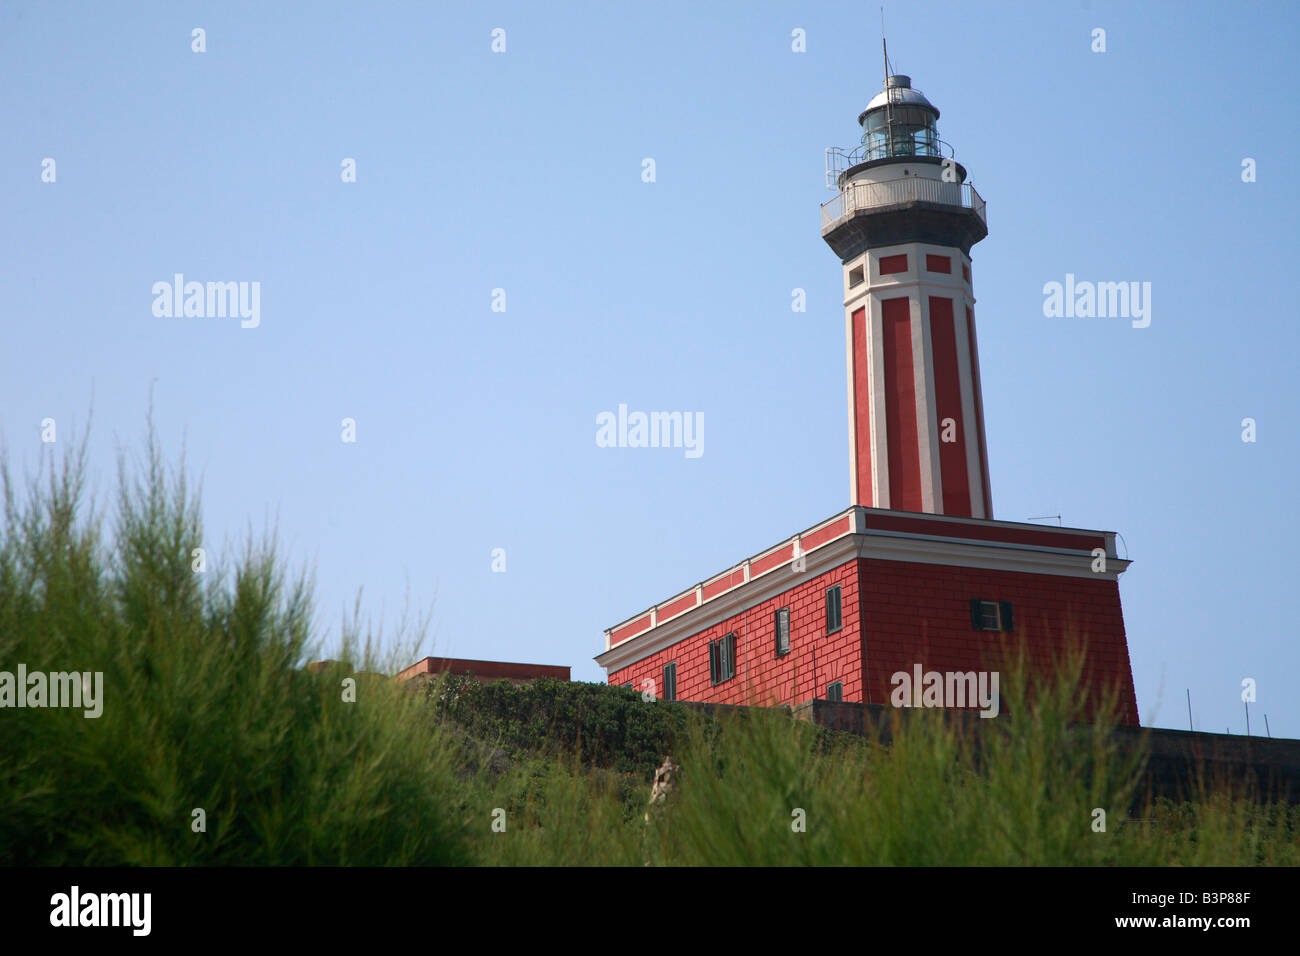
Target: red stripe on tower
(947, 397)
(900, 407)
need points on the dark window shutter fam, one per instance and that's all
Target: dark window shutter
(1007, 623)
(713, 662)
(782, 631)
(833, 609)
(731, 655)
(976, 619)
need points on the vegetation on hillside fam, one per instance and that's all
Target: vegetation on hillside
(207, 706)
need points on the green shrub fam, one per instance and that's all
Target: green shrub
(597, 725)
(758, 788)
(206, 705)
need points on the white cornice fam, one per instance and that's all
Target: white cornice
(991, 555)
(877, 545)
(858, 516)
(729, 604)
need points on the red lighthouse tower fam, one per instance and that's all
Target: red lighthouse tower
(903, 223)
(917, 572)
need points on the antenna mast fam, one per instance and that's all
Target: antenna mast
(889, 94)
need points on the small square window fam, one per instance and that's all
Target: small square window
(991, 615)
(835, 692)
(783, 631)
(833, 609)
(892, 265)
(856, 276)
(989, 620)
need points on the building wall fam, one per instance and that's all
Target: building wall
(762, 678)
(903, 614)
(484, 671)
(920, 614)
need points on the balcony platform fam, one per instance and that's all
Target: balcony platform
(870, 215)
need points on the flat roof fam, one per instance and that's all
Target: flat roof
(491, 669)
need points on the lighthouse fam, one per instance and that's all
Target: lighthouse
(916, 576)
(903, 222)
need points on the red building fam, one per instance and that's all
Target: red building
(916, 576)
(484, 671)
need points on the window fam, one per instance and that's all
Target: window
(835, 691)
(832, 609)
(783, 631)
(991, 615)
(722, 659)
(856, 276)
(935, 263)
(891, 265)
(670, 681)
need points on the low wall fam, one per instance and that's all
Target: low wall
(1179, 762)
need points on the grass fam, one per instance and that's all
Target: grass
(208, 706)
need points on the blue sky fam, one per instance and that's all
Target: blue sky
(522, 171)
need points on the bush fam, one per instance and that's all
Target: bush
(206, 705)
(597, 725)
(205, 702)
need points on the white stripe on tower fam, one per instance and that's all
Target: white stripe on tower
(853, 419)
(979, 415)
(969, 422)
(927, 423)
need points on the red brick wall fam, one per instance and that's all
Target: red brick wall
(762, 678)
(904, 613)
(920, 613)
